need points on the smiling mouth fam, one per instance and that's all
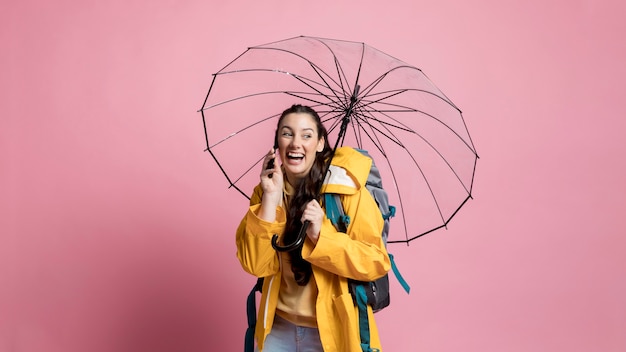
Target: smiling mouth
(295, 156)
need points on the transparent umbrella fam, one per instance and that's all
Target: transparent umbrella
(415, 134)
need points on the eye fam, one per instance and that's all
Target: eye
(286, 134)
(307, 136)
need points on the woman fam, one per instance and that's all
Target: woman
(305, 304)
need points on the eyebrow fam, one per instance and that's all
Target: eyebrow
(304, 129)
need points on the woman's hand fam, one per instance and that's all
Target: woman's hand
(315, 214)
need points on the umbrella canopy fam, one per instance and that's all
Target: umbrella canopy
(414, 133)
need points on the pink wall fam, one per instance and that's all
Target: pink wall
(111, 237)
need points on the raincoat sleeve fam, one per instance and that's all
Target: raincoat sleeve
(254, 239)
(360, 254)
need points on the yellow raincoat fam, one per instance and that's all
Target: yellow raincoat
(359, 255)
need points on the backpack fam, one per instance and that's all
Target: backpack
(374, 293)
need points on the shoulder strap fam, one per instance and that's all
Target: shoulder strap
(335, 213)
(248, 344)
(397, 274)
(364, 326)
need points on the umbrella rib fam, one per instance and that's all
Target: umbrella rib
(361, 122)
(341, 76)
(380, 146)
(444, 220)
(392, 93)
(340, 72)
(301, 79)
(396, 140)
(442, 97)
(206, 134)
(255, 123)
(318, 70)
(244, 128)
(384, 75)
(409, 109)
(231, 184)
(437, 151)
(248, 170)
(378, 143)
(445, 224)
(382, 150)
(335, 118)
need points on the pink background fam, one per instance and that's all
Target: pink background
(117, 230)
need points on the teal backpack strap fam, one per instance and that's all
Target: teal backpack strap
(390, 214)
(394, 267)
(364, 326)
(396, 272)
(334, 212)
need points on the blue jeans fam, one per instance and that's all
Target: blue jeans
(287, 337)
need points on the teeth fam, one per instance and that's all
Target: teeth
(295, 155)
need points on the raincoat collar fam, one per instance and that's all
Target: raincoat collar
(348, 172)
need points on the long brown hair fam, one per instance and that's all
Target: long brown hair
(305, 191)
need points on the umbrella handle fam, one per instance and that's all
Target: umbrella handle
(296, 244)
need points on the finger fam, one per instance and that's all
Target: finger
(313, 215)
(313, 204)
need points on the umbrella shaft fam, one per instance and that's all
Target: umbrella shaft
(342, 132)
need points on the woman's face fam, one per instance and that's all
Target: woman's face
(298, 143)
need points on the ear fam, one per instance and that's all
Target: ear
(320, 145)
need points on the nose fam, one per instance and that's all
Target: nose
(295, 142)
